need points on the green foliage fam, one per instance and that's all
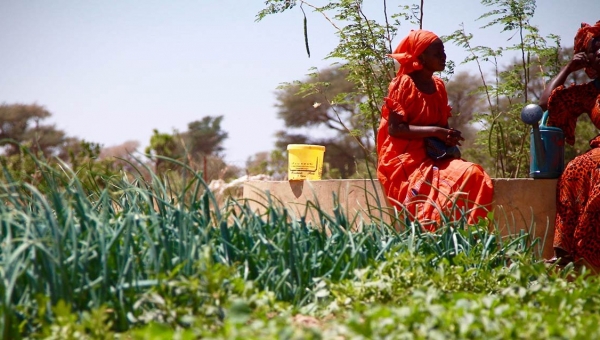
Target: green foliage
(348, 106)
(363, 45)
(24, 138)
(327, 100)
(275, 6)
(163, 145)
(21, 123)
(77, 152)
(406, 299)
(273, 164)
(205, 137)
(153, 252)
(585, 131)
(465, 101)
(200, 297)
(503, 136)
(78, 156)
(66, 325)
(199, 148)
(502, 144)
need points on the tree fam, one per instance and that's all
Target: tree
(203, 144)
(273, 164)
(200, 147)
(466, 101)
(21, 127)
(21, 123)
(504, 136)
(503, 141)
(121, 157)
(205, 137)
(163, 145)
(319, 100)
(363, 44)
(77, 152)
(323, 110)
(26, 141)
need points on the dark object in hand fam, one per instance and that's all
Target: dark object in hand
(437, 150)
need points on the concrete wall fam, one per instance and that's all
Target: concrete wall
(519, 204)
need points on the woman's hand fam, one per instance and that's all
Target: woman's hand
(579, 61)
(453, 137)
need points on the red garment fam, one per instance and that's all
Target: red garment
(577, 227)
(566, 104)
(584, 36)
(410, 48)
(413, 181)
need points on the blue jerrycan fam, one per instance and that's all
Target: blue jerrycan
(547, 144)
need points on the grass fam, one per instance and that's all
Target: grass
(136, 256)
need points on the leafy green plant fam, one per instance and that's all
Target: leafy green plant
(151, 252)
(502, 144)
(363, 45)
(503, 135)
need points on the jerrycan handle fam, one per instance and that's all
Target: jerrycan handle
(544, 118)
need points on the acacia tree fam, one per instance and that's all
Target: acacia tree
(24, 138)
(504, 136)
(200, 147)
(466, 101)
(504, 140)
(22, 124)
(326, 102)
(363, 44)
(204, 137)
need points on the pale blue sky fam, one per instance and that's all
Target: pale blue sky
(111, 71)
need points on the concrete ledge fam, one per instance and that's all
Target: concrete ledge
(519, 204)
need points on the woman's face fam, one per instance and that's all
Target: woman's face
(434, 57)
(593, 54)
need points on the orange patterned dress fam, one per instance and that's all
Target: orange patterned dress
(577, 227)
(413, 182)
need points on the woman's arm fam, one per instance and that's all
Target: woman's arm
(578, 62)
(399, 129)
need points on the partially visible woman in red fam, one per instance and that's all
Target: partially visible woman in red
(577, 227)
(417, 107)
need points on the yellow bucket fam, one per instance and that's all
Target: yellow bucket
(305, 162)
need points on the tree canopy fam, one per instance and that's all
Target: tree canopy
(205, 137)
(324, 109)
(200, 147)
(21, 123)
(491, 107)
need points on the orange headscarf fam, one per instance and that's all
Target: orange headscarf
(582, 40)
(410, 48)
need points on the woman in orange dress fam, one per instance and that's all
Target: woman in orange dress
(417, 107)
(577, 227)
